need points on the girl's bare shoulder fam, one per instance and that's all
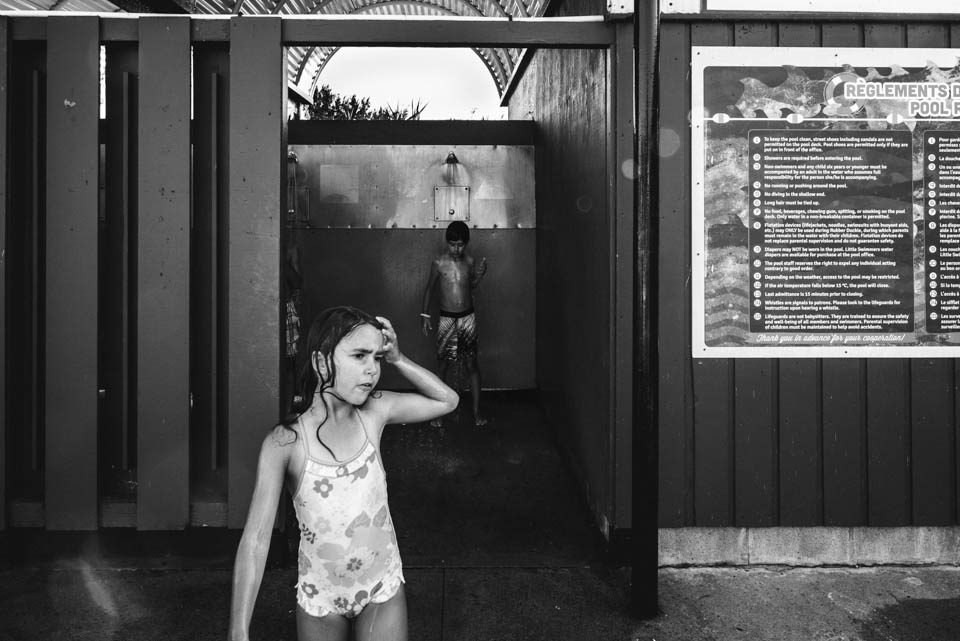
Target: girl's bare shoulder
(279, 444)
(376, 410)
(282, 436)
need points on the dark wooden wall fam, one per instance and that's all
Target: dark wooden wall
(789, 442)
(564, 92)
(582, 102)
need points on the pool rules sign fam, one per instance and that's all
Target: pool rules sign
(826, 202)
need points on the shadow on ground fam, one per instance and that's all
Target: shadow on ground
(920, 619)
(496, 539)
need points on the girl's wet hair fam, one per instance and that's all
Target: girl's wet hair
(327, 330)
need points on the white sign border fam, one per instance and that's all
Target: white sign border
(702, 57)
(833, 6)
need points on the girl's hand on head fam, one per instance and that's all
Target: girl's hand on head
(391, 346)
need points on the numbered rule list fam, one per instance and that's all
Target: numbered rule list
(830, 238)
(941, 174)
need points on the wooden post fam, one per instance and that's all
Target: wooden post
(163, 271)
(645, 550)
(70, 377)
(622, 180)
(4, 196)
(256, 156)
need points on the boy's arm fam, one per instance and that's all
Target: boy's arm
(425, 323)
(255, 541)
(477, 272)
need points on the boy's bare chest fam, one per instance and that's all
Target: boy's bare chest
(454, 273)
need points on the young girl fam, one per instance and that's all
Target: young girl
(350, 574)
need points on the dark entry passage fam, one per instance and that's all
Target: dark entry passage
(498, 495)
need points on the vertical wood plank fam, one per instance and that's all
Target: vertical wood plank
(163, 271)
(714, 486)
(928, 35)
(841, 34)
(933, 442)
(755, 34)
(675, 393)
(26, 106)
(843, 396)
(888, 442)
(800, 420)
(756, 391)
(800, 451)
(257, 122)
(73, 110)
(756, 436)
(120, 187)
(211, 66)
(711, 34)
(645, 556)
(953, 34)
(956, 438)
(884, 34)
(799, 34)
(4, 178)
(627, 217)
(888, 388)
(713, 423)
(844, 442)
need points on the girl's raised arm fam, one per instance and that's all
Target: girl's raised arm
(432, 398)
(255, 541)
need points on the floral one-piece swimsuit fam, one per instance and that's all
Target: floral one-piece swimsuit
(348, 548)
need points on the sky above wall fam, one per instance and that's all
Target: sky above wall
(453, 83)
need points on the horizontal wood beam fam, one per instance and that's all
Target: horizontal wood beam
(572, 33)
(411, 132)
(582, 32)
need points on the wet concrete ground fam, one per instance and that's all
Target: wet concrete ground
(503, 604)
(497, 546)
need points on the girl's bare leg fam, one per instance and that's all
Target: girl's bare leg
(332, 627)
(385, 621)
(444, 365)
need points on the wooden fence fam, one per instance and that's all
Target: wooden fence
(141, 260)
(141, 266)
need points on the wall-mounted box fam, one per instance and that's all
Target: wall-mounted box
(451, 202)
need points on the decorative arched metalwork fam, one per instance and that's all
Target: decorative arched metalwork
(304, 64)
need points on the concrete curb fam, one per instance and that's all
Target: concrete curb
(810, 546)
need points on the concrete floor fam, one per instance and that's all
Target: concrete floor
(497, 546)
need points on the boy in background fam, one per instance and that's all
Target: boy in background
(457, 275)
